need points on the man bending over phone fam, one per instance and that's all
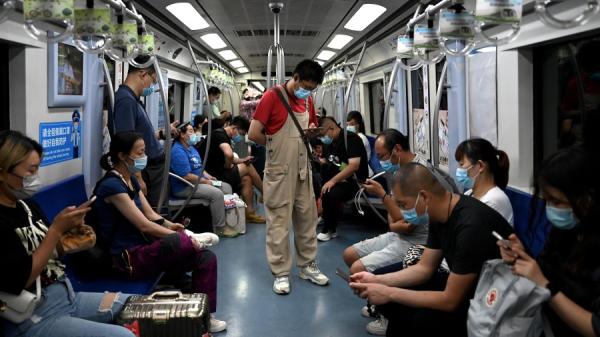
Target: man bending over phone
(342, 161)
(417, 300)
(225, 166)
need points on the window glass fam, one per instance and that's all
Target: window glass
(567, 93)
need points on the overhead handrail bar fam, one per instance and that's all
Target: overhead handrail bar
(541, 8)
(430, 11)
(435, 135)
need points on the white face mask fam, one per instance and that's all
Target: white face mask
(31, 185)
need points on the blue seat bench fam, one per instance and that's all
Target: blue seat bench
(71, 192)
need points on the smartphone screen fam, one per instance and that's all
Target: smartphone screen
(343, 275)
(88, 203)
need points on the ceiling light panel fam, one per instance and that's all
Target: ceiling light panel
(228, 55)
(214, 41)
(320, 62)
(339, 41)
(237, 64)
(258, 85)
(365, 15)
(188, 15)
(325, 55)
(242, 70)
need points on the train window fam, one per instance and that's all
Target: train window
(376, 106)
(4, 87)
(567, 93)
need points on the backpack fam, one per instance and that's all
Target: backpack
(505, 304)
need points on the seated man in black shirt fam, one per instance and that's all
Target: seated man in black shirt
(224, 165)
(343, 164)
(417, 300)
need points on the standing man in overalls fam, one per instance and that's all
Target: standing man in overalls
(287, 184)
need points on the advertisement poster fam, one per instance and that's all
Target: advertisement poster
(61, 140)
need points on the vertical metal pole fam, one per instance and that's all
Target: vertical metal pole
(167, 145)
(269, 64)
(435, 134)
(111, 90)
(388, 95)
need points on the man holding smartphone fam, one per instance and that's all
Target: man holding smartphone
(419, 300)
(288, 193)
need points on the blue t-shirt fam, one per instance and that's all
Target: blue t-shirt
(113, 227)
(183, 161)
(130, 115)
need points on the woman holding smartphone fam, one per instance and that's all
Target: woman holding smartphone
(568, 265)
(30, 246)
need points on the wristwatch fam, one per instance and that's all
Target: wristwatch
(553, 289)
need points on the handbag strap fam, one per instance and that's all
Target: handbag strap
(286, 104)
(38, 281)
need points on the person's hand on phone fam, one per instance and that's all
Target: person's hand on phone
(176, 227)
(374, 188)
(248, 160)
(363, 277)
(69, 218)
(507, 248)
(376, 294)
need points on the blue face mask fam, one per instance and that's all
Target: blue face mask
(561, 218)
(387, 166)
(326, 140)
(351, 128)
(462, 176)
(148, 91)
(413, 218)
(302, 93)
(138, 164)
(194, 139)
(237, 138)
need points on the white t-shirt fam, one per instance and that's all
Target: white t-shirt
(497, 199)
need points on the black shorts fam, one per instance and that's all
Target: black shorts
(232, 177)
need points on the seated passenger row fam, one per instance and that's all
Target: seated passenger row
(428, 295)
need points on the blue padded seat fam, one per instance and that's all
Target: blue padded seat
(71, 192)
(521, 203)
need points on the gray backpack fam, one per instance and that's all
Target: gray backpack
(505, 304)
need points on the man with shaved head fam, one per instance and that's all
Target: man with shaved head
(346, 161)
(418, 300)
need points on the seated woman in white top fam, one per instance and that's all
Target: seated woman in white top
(483, 172)
(355, 123)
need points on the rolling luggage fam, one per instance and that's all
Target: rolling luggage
(166, 314)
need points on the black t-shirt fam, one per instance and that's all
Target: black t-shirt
(17, 242)
(466, 238)
(336, 154)
(570, 261)
(215, 163)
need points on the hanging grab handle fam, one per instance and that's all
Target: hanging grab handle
(541, 8)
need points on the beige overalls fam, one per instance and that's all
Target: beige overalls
(289, 197)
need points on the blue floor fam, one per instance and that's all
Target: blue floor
(251, 308)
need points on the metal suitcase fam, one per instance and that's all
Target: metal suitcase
(167, 314)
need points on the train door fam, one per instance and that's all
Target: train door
(375, 91)
(176, 101)
(4, 87)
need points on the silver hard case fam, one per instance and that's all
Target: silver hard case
(167, 313)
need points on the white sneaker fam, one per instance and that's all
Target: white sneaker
(206, 239)
(378, 327)
(312, 273)
(326, 236)
(365, 311)
(281, 286)
(216, 325)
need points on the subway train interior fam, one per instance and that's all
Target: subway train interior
(228, 132)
